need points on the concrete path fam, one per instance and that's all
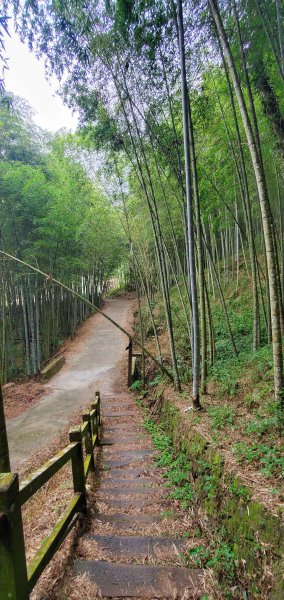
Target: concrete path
(94, 366)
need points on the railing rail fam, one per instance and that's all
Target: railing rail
(17, 579)
(29, 486)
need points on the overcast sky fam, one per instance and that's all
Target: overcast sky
(26, 78)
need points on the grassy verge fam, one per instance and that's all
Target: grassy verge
(236, 536)
(240, 413)
(210, 548)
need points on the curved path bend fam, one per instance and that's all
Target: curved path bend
(93, 365)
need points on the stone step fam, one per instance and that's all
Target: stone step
(138, 547)
(140, 482)
(120, 433)
(131, 453)
(117, 415)
(113, 403)
(104, 494)
(126, 504)
(119, 471)
(142, 581)
(123, 523)
(135, 426)
(126, 458)
(113, 408)
(121, 441)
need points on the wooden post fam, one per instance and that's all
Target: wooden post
(75, 435)
(130, 348)
(95, 406)
(98, 398)
(99, 418)
(95, 419)
(13, 569)
(4, 449)
(88, 441)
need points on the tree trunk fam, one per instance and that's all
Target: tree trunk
(265, 210)
(190, 230)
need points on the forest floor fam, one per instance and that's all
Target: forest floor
(240, 415)
(36, 413)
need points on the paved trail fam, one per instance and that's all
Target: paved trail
(93, 366)
(133, 546)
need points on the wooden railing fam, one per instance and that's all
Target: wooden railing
(17, 579)
(134, 363)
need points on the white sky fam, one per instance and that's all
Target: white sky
(26, 77)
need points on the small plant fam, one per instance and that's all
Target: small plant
(136, 385)
(220, 557)
(168, 514)
(209, 486)
(221, 416)
(229, 387)
(270, 458)
(239, 490)
(184, 493)
(186, 534)
(250, 400)
(155, 381)
(262, 425)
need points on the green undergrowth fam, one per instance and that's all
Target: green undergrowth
(176, 467)
(214, 553)
(116, 291)
(239, 409)
(245, 541)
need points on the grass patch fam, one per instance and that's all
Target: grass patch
(217, 554)
(221, 416)
(270, 458)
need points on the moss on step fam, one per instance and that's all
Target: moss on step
(256, 535)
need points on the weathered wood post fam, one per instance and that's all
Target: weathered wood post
(98, 400)
(130, 352)
(96, 420)
(99, 418)
(75, 435)
(88, 441)
(13, 569)
(4, 450)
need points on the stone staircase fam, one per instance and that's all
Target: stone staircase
(134, 544)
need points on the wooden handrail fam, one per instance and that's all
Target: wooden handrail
(18, 580)
(51, 544)
(38, 478)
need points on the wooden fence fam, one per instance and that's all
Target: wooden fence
(17, 579)
(134, 364)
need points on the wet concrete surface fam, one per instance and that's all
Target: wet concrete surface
(93, 367)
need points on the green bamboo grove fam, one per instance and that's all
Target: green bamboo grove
(46, 205)
(183, 103)
(37, 317)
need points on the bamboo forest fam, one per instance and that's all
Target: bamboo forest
(149, 238)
